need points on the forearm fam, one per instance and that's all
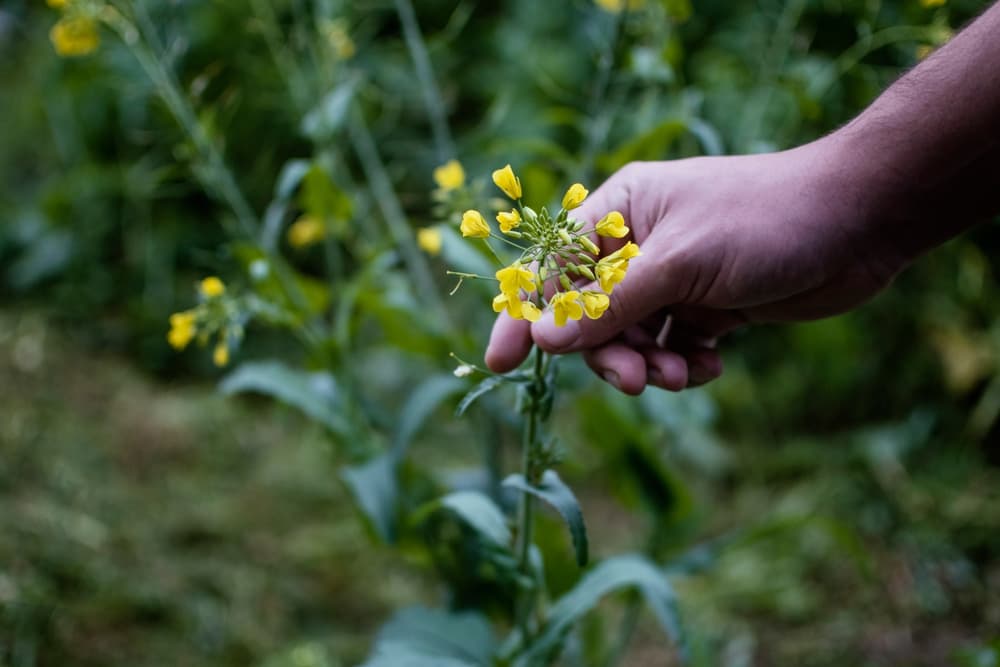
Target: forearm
(927, 151)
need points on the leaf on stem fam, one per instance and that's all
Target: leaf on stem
(554, 491)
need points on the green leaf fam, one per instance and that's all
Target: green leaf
(375, 489)
(624, 572)
(422, 637)
(315, 394)
(650, 145)
(484, 387)
(555, 492)
(480, 512)
(422, 403)
(329, 115)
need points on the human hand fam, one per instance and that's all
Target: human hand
(725, 241)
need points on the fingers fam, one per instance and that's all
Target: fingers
(630, 370)
(510, 343)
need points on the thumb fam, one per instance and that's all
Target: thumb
(644, 290)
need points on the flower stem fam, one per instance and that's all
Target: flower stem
(529, 458)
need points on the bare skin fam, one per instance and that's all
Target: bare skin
(797, 235)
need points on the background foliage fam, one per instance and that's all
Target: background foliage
(832, 500)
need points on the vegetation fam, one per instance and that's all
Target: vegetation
(270, 196)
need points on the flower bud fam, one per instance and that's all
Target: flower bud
(589, 245)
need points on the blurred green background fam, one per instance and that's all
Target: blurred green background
(850, 466)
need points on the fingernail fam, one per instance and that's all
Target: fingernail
(556, 338)
(612, 378)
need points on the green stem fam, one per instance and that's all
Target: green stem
(529, 445)
(392, 211)
(425, 74)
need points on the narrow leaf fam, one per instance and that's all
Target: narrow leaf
(555, 492)
(421, 637)
(422, 403)
(484, 387)
(625, 572)
(481, 513)
(315, 394)
(376, 491)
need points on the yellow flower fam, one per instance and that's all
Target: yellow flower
(626, 252)
(932, 3)
(615, 6)
(508, 221)
(220, 356)
(566, 305)
(429, 240)
(515, 278)
(75, 36)
(212, 287)
(574, 196)
(611, 270)
(613, 225)
(508, 182)
(509, 302)
(182, 329)
(474, 225)
(306, 231)
(530, 312)
(339, 39)
(450, 175)
(595, 303)
(57, 4)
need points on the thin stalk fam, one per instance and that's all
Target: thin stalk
(598, 109)
(443, 143)
(529, 445)
(392, 212)
(221, 177)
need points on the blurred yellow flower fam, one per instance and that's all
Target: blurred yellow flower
(57, 4)
(615, 6)
(508, 221)
(933, 3)
(595, 303)
(212, 287)
(429, 239)
(612, 225)
(474, 225)
(75, 36)
(508, 182)
(450, 175)
(340, 40)
(574, 196)
(566, 305)
(515, 278)
(220, 356)
(182, 329)
(306, 231)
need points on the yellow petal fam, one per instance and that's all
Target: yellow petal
(530, 311)
(212, 287)
(306, 231)
(429, 239)
(574, 196)
(595, 303)
(508, 182)
(612, 225)
(450, 175)
(220, 356)
(75, 36)
(474, 225)
(508, 221)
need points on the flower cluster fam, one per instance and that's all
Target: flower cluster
(556, 255)
(215, 315)
(76, 33)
